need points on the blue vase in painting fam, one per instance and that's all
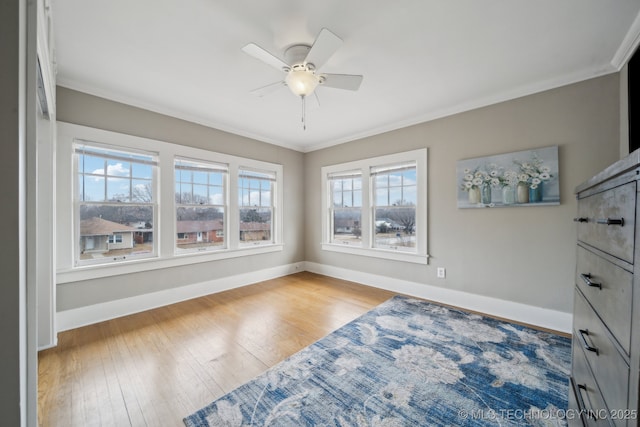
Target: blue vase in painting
(485, 194)
(535, 193)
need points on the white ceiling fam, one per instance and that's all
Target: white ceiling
(421, 59)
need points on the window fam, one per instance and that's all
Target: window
(115, 238)
(115, 204)
(140, 204)
(200, 205)
(394, 206)
(377, 207)
(255, 195)
(346, 208)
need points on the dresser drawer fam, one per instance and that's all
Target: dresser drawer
(585, 399)
(608, 288)
(614, 204)
(609, 368)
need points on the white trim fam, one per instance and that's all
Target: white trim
(165, 255)
(537, 316)
(364, 166)
(628, 45)
(82, 316)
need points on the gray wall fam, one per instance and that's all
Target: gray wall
(524, 254)
(82, 109)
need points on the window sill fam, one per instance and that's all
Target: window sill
(378, 253)
(89, 272)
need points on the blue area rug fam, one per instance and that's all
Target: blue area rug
(408, 362)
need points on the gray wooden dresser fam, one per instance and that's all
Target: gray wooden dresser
(606, 315)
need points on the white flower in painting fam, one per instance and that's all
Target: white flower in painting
(477, 181)
(467, 170)
(468, 177)
(478, 174)
(523, 177)
(227, 415)
(476, 330)
(494, 173)
(544, 176)
(536, 181)
(517, 369)
(427, 364)
(346, 365)
(533, 186)
(495, 182)
(396, 394)
(545, 169)
(468, 184)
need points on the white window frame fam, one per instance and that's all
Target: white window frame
(272, 203)
(77, 148)
(420, 256)
(165, 229)
(206, 167)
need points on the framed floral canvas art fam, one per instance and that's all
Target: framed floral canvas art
(522, 178)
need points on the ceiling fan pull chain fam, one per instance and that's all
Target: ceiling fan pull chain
(304, 123)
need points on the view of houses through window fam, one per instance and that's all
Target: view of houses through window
(116, 204)
(200, 205)
(346, 209)
(255, 190)
(377, 207)
(394, 210)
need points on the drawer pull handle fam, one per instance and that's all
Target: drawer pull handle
(611, 221)
(587, 346)
(581, 219)
(587, 279)
(590, 413)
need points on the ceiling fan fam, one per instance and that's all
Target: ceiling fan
(302, 64)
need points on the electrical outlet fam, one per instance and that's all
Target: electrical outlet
(441, 273)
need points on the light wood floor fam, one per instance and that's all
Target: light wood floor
(156, 367)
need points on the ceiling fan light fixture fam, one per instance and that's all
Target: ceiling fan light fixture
(302, 82)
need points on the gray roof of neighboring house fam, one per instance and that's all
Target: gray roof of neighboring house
(101, 227)
(196, 226)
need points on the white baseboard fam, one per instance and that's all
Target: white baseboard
(537, 316)
(542, 317)
(82, 316)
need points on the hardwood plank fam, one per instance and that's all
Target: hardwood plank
(156, 367)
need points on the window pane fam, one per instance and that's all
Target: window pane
(216, 195)
(115, 232)
(382, 197)
(118, 189)
(93, 189)
(117, 168)
(141, 171)
(347, 226)
(256, 226)
(199, 228)
(142, 191)
(395, 228)
(199, 194)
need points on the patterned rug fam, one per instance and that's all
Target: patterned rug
(408, 362)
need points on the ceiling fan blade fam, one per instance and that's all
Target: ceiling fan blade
(313, 102)
(342, 81)
(266, 90)
(325, 45)
(265, 56)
